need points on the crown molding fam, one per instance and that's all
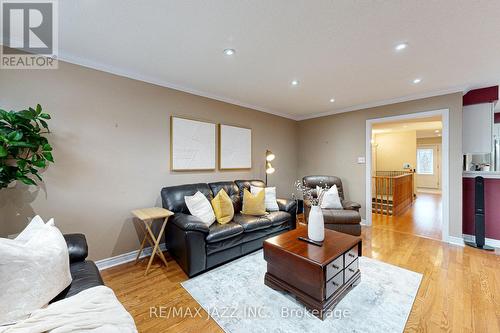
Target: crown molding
(385, 102)
(66, 57)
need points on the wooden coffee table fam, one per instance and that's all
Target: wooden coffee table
(317, 276)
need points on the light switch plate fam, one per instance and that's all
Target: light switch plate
(361, 160)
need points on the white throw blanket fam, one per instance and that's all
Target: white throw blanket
(95, 310)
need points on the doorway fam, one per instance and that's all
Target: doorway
(421, 160)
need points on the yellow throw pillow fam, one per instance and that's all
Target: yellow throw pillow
(254, 204)
(223, 207)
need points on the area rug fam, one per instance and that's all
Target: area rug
(235, 296)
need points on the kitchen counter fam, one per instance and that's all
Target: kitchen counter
(484, 174)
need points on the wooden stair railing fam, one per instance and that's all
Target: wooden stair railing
(392, 192)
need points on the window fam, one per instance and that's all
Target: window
(425, 161)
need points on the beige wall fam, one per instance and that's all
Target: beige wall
(111, 145)
(396, 149)
(331, 144)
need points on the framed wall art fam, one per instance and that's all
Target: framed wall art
(192, 144)
(235, 147)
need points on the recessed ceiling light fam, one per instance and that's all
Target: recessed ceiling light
(439, 135)
(332, 100)
(295, 82)
(405, 126)
(436, 131)
(401, 46)
(229, 52)
(417, 80)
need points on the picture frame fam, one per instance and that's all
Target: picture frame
(235, 147)
(192, 144)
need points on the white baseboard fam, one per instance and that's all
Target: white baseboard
(363, 222)
(124, 258)
(456, 240)
(471, 238)
(487, 241)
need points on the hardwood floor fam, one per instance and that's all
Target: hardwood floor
(423, 218)
(460, 290)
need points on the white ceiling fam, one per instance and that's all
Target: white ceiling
(342, 49)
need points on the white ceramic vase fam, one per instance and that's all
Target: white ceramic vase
(316, 224)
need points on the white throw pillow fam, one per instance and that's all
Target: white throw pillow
(331, 198)
(200, 207)
(33, 227)
(33, 270)
(270, 197)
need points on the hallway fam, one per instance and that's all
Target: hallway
(423, 218)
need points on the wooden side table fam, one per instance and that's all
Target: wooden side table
(147, 216)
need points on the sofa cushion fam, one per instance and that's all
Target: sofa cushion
(33, 270)
(231, 189)
(218, 232)
(341, 216)
(200, 207)
(250, 223)
(245, 184)
(254, 204)
(237, 243)
(223, 207)
(173, 196)
(278, 218)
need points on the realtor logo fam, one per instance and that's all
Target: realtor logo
(29, 34)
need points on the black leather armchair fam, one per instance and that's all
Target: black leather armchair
(345, 220)
(197, 247)
(84, 273)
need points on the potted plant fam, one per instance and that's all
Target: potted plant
(24, 150)
(316, 223)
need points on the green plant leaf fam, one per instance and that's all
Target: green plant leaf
(26, 114)
(21, 164)
(15, 136)
(22, 140)
(39, 163)
(27, 180)
(4, 115)
(44, 123)
(48, 156)
(22, 144)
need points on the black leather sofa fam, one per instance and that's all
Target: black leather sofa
(197, 248)
(85, 273)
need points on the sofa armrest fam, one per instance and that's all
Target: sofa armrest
(77, 247)
(287, 205)
(188, 222)
(350, 205)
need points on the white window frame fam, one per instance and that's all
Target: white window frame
(420, 172)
